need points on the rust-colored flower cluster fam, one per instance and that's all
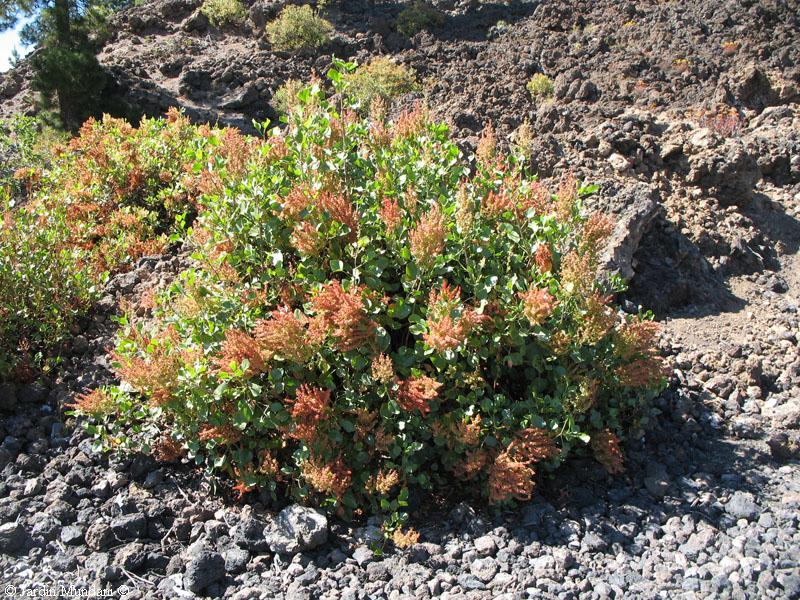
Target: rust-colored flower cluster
(168, 450)
(96, 403)
(383, 369)
(511, 474)
(566, 197)
(498, 203)
(428, 237)
(538, 198)
(417, 392)
(596, 230)
(532, 445)
(597, 319)
(411, 122)
(157, 374)
(343, 313)
(391, 214)
(457, 431)
(577, 273)
(486, 150)
(221, 434)
(537, 305)
(309, 408)
(607, 451)
(340, 209)
(285, 334)
(544, 258)
(297, 200)
(471, 465)
(465, 214)
(378, 131)
(237, 347)
(510, 478)
(446, 331)
(307, 239)
(328, 478)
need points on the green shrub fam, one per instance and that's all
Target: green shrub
(44, 287)
(285, 97)
(382, 78)
(223, 12)
(540, 86)
(368, 314)
(418, 16)
(25, 147)
(299, 28)
(115, 193)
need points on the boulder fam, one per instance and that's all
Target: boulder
(633, 207)
(297, 529)
(204, 568)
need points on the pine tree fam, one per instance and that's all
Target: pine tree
(65, 34)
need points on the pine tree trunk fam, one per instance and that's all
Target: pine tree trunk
(64, 42)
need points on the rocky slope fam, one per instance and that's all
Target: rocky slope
(708, 213)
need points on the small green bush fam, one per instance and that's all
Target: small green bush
(382, 78)
(418, 16)
(224, 12)
(91, 208)
(44, 287)
(299, 28)
(285, 97)
(369, 314)
(540, 86)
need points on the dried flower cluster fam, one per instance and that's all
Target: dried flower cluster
(607, 451)
(344, 315)
(382, 369)
(156, 374)
(405, 538)
(417, 392)
(446, 331)
(428, 237)
(510, 478)
(96, 403)
(309, 409)
(636, 345)
(285, 335)
(391, 214)
(537, 305)
(237, 348)
(328, 478)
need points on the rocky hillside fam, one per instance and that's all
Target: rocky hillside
(687, 113)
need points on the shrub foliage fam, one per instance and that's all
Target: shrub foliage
(540, 86)
(223, 12)
(418, 16)
(110, 196)
(369, 312)
(299, 29)
(381, 78)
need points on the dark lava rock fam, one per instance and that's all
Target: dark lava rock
(204, 568)
(99, 536)
(131, 557)
(72, 535)
(129, 527)
(297, 529)
(742, 505)
(12, 537)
